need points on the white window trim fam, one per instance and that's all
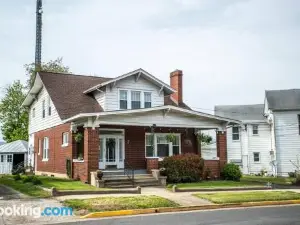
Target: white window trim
(155, 145)
(40, 146)
(45, 150)
(11, 158)
(253, 130)
(49, 108)
(236, 133)
(33, 113)
(44, 111)
(65, 144)
(254, 158)
(142, 97)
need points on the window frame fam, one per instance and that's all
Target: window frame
(155, 155)
(44, 109)
(127, 99)
(258, 157)
(40, 146)
(45, 149)
(147, 92)
(299, 123)
(49, 106)
(9, 156)
(33, 113)
(140, 98)
(236, 133)
(65, 139)
(255, 134)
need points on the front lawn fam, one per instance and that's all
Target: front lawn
(25, 188)
(216, 184)
(274, 180)
(118, 203)
(253, 196)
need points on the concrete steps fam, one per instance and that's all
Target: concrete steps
(123, 181)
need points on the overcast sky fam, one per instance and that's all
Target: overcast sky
(229, 50)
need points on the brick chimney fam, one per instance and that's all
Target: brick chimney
(176, 83)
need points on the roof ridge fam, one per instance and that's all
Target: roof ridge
(73, 74)
(290, 89)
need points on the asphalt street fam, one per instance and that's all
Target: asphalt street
(282, 215)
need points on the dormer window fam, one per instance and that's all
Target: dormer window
(147, 99)
(123, 99)
(135, 99)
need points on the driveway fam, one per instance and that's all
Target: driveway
(10, 198)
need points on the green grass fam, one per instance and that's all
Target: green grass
(274, 180)
(253, 196)
(64, 184)
(118, 203)
(25, 188)
(216, 184)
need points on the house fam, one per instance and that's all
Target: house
(282, 109)
(248, 144)
(88, 123)
(11, 155)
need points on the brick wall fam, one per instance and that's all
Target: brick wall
(57, 153)
(222, 148)
(214, 167)
(152, 164)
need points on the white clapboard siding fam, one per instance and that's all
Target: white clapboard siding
(111, 101)
(101, 99)
(38, 123)
(259, 143)
(287, 140)
(234, 148)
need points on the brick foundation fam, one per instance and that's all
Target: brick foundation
(152, 164)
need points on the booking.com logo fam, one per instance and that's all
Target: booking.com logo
(35, 212)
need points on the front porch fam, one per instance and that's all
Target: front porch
(125, 142)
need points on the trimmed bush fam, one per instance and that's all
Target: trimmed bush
(17, 177)
(27, 179)
(36, 181)
(183, 168)
(292, 174)
(232, 172)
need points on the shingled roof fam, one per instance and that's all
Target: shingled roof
(66, 91)
(283, 99)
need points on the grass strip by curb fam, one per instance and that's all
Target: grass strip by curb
(188, 208)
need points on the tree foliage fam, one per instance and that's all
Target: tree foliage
(13, 117)
(56, 66)
(204, 139)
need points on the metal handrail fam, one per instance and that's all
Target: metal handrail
(129, 171)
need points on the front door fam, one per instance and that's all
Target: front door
(111, 152)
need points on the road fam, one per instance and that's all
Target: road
(282, 215)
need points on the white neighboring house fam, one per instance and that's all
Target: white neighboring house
(249, 145)
(11, 154)
(282, 108)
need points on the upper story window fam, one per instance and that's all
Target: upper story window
(135, 99)
(44, 109)
(33, 112)
(123, 99)
(147, 99)
(65, 139)
(235, 133)
(49, 106)
(255, 129)
(46, 149)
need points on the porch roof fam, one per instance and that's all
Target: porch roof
(157, 115)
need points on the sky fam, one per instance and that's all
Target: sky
(230, 51)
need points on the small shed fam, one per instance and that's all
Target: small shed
(12, 154)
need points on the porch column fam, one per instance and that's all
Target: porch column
(91, 150)
(222, 148)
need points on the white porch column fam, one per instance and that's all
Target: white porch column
(245, 150)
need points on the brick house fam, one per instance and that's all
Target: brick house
(114, 123)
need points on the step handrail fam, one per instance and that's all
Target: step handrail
(129, 171)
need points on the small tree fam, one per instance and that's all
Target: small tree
(204, 139)
(296, 164)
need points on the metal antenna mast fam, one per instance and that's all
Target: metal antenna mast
(38, 41)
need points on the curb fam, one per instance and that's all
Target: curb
(255, 188)
(186, 208)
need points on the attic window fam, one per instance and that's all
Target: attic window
(135, 99)
(123, 99)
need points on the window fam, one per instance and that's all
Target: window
(235, 133)
(299, 123)
(255, 129)
(33, 112)
(2, 158)
(40, 146)
(157, 145)
(147, 99)
(49, 106)
(256, 156)
(123, 99)
(135, 99)
(44, 109)
(9, 158)
(46, 149)
(65, 139)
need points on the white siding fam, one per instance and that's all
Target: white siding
(100, 97)
(234, 148)
(287, 140)
(260, 143)
(38, 122)
(112, 94)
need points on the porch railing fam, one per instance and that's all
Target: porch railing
(129, 171)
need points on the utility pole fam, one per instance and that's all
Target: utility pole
(38, 40)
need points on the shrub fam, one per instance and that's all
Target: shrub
(183, 168)
(292, 174)
(17, 177)
(36, 181)
(27, 179)
(232, 172)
